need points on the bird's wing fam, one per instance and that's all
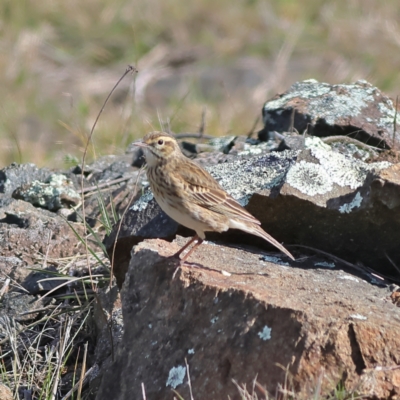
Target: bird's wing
(206, 192)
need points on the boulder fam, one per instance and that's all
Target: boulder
(234, 314)
(358, 110)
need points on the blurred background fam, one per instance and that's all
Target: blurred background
(60, 59)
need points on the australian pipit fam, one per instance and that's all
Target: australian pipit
(191, 196)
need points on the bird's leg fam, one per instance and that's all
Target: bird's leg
(195, 237)
(186, 256)
(183, 259)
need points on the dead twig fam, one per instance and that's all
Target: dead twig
(364, 270)
(104, 185)
(189, 382)
(392, 262)
(202, 127)
(129, 69)
(79, 383)
(395, 124)
(82, 379)
(5, 287)
(253, 128)
(143, 392)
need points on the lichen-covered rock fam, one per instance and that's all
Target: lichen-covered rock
(358, 110)
(16, 175)
(56, 192)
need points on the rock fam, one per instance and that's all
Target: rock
(36, 283)
(352, 148)
(234, 316)
(108, 307)
(106, 168)
(358, 110)
(110, 327)
(16, 175)
(13, 267)
(314, 197)
(28, 233)
(219, 144)
(292, 143)
(137, 155)
(20, 306)
(54, 193)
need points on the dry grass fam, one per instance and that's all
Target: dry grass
(46, 359)
(60, 59)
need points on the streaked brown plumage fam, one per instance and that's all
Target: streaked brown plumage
(191, 196)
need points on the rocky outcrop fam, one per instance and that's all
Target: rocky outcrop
(315, 197)
(239, 314)
(232, 313)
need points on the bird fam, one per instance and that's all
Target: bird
(188, 194)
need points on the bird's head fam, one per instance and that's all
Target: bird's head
(158, 146)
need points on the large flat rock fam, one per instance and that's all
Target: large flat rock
(235, 314)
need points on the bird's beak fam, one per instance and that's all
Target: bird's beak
(140, 144)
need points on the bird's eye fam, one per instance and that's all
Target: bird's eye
(160, 142)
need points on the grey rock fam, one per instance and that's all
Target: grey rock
(358, 110)
(16, 175)
(20, 306)
(54, 193)
(292, 143)
(36, 282)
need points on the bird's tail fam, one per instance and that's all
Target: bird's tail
(258, 231)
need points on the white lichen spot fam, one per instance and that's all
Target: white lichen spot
(176, 376)
(358, 316)
(349, 278)
(325, 264)
(348, 207)
(214, 320)
(142, 202)
(191, 351)
(275, 260)
(265, 334)
(309, 178)
(226, 273)
(313, 142)
(254, 150)
(342, 170)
